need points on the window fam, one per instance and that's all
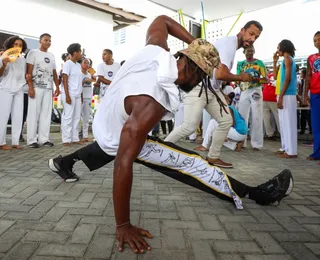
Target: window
(120, 36)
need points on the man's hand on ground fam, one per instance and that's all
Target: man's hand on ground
(132, 235)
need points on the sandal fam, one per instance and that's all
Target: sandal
(287, 156)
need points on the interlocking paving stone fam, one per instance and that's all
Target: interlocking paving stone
(42, 218)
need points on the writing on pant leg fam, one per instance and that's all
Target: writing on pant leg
(189, 164)
(151, 148)
(219, 178)
(171, 159)
(256, 96)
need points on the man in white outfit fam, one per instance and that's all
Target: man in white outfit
(106, 71)
(42, 66)
(194, 103)
(71, 96)
(251, 96)
(236, 135)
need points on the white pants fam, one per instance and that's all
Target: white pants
(70, 119)
(206, 117)
(39, 116)
(85, 114)
(252, 98)
(268, 108)
(178, 120)
(193, 107)
(233, 136)
(11, 103)
(288, 125)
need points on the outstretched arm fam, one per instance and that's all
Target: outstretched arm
(161, 27)
(144, 113)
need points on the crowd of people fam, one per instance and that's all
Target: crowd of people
(29, 83)
(152, 87)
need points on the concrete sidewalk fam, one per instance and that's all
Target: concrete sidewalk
(43, 218)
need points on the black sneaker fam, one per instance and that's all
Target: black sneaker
(48, 144)
(34, 145)
(65, 172)
(275, 189)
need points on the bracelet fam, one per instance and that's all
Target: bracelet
(121, 225)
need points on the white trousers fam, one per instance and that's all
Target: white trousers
(252, 99)
(85, 114)
(233, 136)
(178, 120)
(268, 108)
(288, 125)
(70, 119)
(184, 165)
(178, 116)
(193, 107)
(39, 116)
(11, 103)
(206, 117)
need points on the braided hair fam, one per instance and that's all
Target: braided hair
(192, 67)
(206, 85)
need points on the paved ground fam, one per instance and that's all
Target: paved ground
(42, 218)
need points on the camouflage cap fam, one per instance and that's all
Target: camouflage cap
(204, 54)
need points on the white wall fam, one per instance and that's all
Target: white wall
(65, 21)
(297, 21)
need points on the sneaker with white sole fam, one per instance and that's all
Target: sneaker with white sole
(275, 189)
(56, 165)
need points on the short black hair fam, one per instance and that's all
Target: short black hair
(74, 47)
(64, 56)
(317, 33)
(9, 43)
(249, 47)
(108, 51)
(121, 63)
(297, 67)
(287, 46)
(304, 71)
(255, 23)
(44, 34)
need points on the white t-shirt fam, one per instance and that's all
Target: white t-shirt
(227, 48)
(87, 87)
(108, 72)
(43, 66)
(13, 78)
(73, 70)
(152, 72)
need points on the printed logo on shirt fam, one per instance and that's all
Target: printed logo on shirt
(256, 96)
(110, 73)
(47, 60)
(316, 65)
(253, 72)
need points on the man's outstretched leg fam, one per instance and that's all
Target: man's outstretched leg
(190, 168)
(92, 156)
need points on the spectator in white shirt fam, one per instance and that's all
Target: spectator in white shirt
(71, 96)
(106, 71)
